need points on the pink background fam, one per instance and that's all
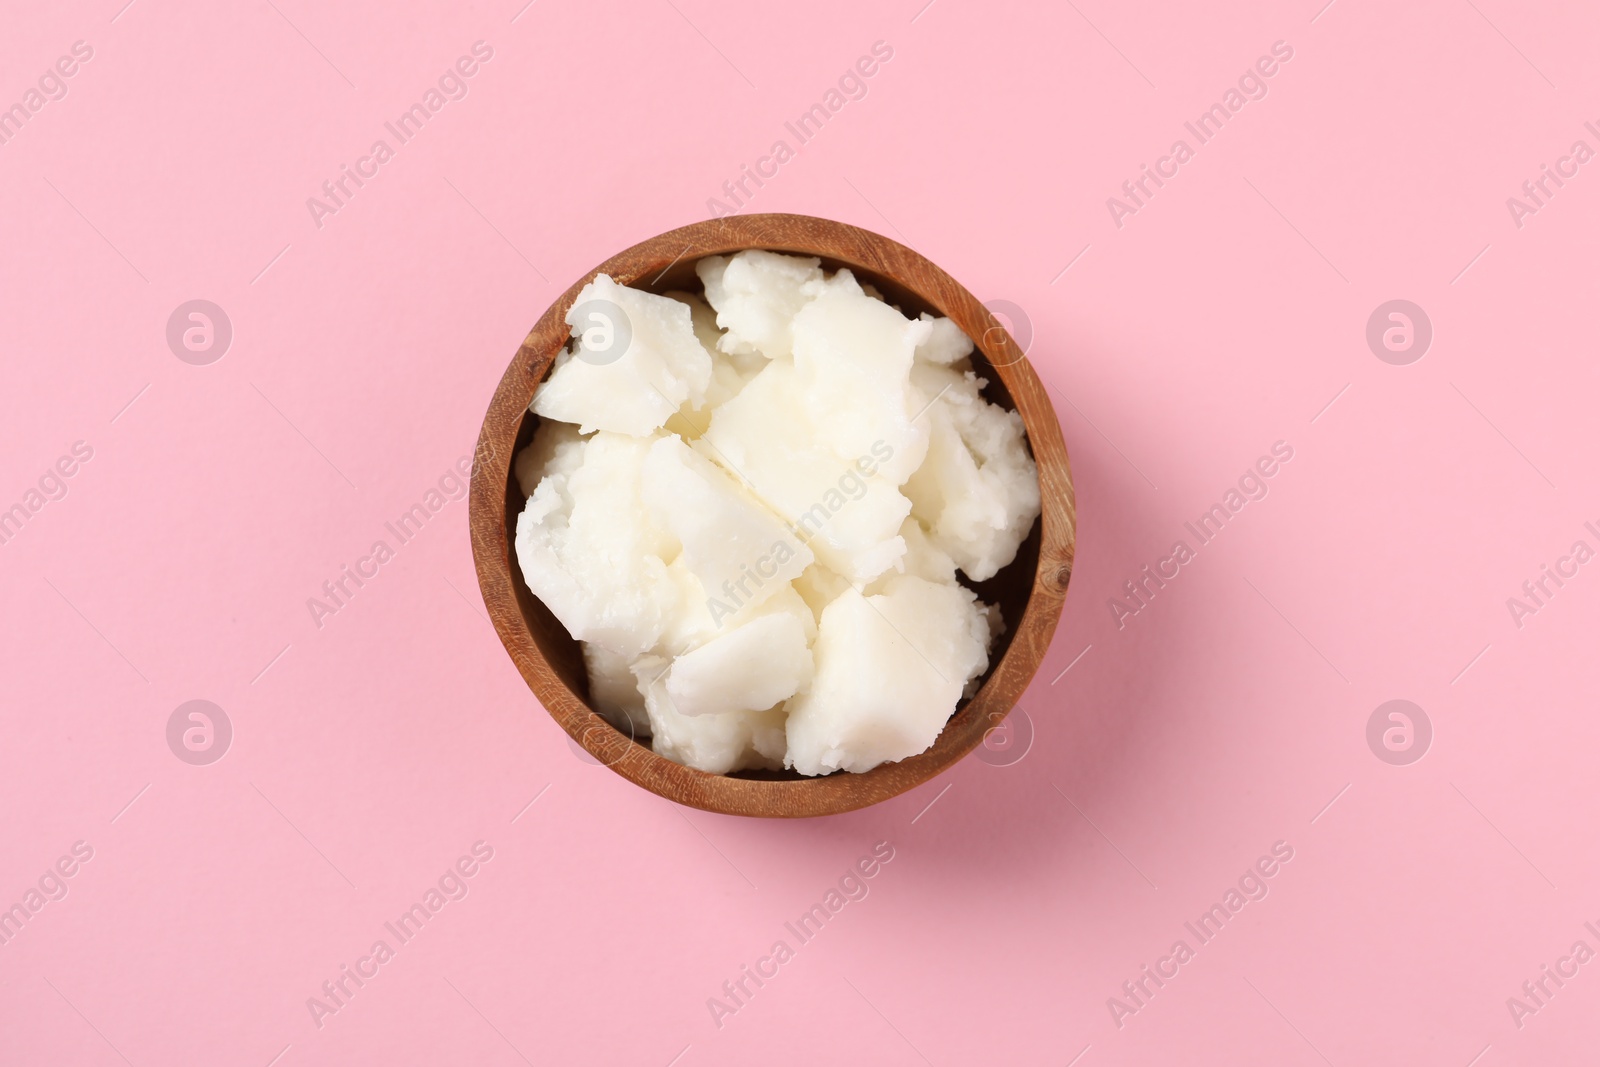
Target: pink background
(1227, 314)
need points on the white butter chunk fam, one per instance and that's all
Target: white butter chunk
(756, 295)
(889, 671)
(755, 508)
(718, 744)
(749, 668)
(977, 491)
(629, 372)
(740, 552)
(589, 551)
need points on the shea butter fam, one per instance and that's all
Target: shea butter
(760, 509)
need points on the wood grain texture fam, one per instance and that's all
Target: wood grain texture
(1030, 591)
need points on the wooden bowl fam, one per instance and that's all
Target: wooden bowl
(1029, 592)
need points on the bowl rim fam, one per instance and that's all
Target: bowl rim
(493, 535)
